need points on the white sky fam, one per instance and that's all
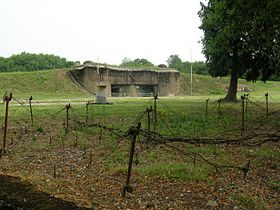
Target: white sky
(106, 29)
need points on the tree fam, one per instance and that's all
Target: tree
(32, 62)
(137, 63)
(175, 62)
(241, 38)
(199, 67)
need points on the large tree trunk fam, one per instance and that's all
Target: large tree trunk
(232, 90)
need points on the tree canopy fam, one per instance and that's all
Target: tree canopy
(198, 67)
(32, 62)
(138, 62)
(175, 62)
(241, 38)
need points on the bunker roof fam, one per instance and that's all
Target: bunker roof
(102, 66)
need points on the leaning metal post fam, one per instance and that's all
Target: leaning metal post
(134, 132)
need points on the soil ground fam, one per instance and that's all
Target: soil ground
(98, 188)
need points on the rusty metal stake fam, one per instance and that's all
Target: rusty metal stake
(67, 118)
(266, 101)
(31, 113)
(219, 109)
(155, 111)
(243, 113)
(246, 105)
(148, 110)
(7, 99)
(134, 132)
(206, 109)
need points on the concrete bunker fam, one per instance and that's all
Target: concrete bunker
(124, 82)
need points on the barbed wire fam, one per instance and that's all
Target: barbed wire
(276, 101)
(140, 115)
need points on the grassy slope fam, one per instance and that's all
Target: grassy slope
(40, 84)
(205, 85)
(54, 84)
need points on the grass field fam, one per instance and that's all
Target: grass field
(88, 163)
(55, 85)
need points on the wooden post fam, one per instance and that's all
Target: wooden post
(7, 99)
(155, 111)
(134, 133)
(206, 108)
(266, 101)
(243, 113)
(31, 113)
(67, 118)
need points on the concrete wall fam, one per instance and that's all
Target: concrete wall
(132, 82)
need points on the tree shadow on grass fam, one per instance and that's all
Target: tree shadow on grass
(19, 195)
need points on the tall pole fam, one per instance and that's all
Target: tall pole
(191, 80)
(191, 88)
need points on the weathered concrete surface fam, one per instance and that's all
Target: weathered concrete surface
(127, 82)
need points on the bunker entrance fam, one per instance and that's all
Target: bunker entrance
(120, 90)
(146, 90)
(132, 90)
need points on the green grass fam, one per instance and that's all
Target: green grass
(175, 170)
(246, 201)
(48, 84)
(206, 85)
(177, 116)
(55, 85)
